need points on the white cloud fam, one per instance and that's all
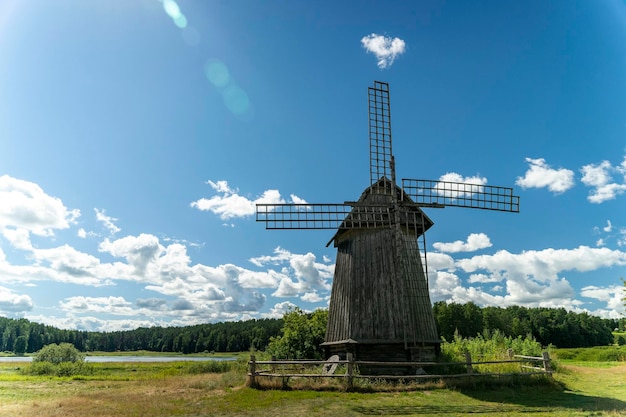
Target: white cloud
(545, 264)
(67, 260)
(222, 187)
(531, 278)
(83, 234)
(107, 305)
(91, 323)
(139, 251)
(26, 206)
(475, 241)
(311, 297)
(11, 303)
(18, 238)
(612, 296)
(451, 191)
(107, 221)
(600, 178)
(483, 278)
(279, 310)
(309, 275)
(297, 200)
(608, 227)
(280, 255)
(440, 261)
(541, 175)
(386, 49)
(230, 204)
(257, 279)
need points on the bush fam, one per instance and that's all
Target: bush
(59, 360)
(57, 354)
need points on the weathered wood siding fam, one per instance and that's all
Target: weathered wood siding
(380, 293)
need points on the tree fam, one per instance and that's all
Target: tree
(21, 344)
(302, 335)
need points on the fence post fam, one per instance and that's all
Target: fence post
(252, 370)
(468, 361)
(350, 369)
(273, 365)
(546, 361)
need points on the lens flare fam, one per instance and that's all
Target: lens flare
(173, 10)
(217, 73)
(236, 100)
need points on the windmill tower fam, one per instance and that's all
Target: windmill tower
(380, 306)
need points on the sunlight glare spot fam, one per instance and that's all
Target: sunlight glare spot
(181, 21)
(171, 8)
(217, 73)
(236, 100)
(173, 11)
(191, 36)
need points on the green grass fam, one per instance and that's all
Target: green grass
(593, 354)
(192, 389)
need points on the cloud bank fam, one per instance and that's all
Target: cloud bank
(171, 289)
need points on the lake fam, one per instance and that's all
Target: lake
(129, 358)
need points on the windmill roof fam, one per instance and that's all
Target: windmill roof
(379, 200)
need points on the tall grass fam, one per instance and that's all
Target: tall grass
(490, 346)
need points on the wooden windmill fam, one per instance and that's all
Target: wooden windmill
(380, 308)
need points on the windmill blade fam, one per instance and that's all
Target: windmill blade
(323, 216)
(458, 194)
(381, 158)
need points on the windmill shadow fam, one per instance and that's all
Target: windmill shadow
(540, 398)
(502, 401)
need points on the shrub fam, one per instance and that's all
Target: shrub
(57, 354)
(59, 360)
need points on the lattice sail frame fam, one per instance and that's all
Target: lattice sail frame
(424, 193)
(381, 155)
(434, 193)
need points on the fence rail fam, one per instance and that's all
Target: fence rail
(286, 369)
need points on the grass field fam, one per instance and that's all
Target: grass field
(580, 388)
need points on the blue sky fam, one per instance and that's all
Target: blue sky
(136, 136)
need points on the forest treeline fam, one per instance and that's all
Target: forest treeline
(558, 327)
(22, 336)
(555, 326)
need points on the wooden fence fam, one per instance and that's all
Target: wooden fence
(285, 369)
